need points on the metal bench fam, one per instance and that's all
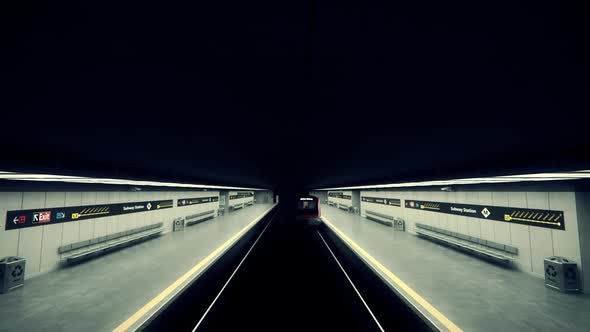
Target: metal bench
(344, 207)
(237, 206)
(497, 252)
(385, 219)
(81, 250)
(380, 218)
(199, 217)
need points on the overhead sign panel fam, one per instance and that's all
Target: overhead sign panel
(382, 200)
(532, 217)
(339, 194)
(196, 200)
(39, 217)
(241, 195)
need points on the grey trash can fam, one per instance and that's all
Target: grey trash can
(561, 274)
(178, 224)
(12, 273)
(399, 224)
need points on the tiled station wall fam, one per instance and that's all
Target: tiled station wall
(583, 209)
(263, 197)
(533, 243)
(38, 245)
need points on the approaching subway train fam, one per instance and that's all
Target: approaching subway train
(308, 210)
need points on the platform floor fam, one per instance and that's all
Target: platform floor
(472, 293)
(99, 294)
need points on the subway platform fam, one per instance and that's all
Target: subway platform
(456, 291)
(102, 293)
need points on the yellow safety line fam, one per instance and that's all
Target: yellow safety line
(92, 214)
(412, 293)
(166, 292)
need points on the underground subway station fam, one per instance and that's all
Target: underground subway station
(295, 166)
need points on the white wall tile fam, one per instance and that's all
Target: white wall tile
(541, 239)
(520, 234)
(72, 229)
(474, 223)
(501, 229)
(9, 201)
(87, 226)
(30, 239)
(52, 234)
(112, 223)
(100, 224)
(566, 242)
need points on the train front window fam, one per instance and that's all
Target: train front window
(306, 205)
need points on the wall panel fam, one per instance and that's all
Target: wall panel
(520, 234)
(541, 238)
(100, 225)
(501, 229)
(72, 229)
(52, 234)
(87, 226)
(30, 239)
(9, 239)
(566, 243)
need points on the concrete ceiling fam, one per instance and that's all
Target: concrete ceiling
(293, 94)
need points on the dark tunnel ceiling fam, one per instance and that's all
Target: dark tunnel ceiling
(292, 94)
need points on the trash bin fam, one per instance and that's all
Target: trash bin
(354, 210)
(561, 274)
(178, 224)
(12, 273)
(399, 224)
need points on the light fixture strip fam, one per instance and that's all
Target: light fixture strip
(558, 176)
(79, 179)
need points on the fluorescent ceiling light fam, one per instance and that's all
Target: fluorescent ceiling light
(557, 176)
(81, 179)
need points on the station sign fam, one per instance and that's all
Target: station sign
(540, 218)
(243, 194)
(38, 217)
(197, 200)
(339, 194)
(381, 200)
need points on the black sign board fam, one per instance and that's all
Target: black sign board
(339, 194)
(532, 217)
(40, 217)
(381, 200)
(241, 195)
(197, 200)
